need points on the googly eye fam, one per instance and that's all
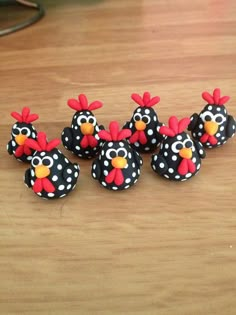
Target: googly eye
(146, 119)
(219, 118)
(207, 116)
(81, 120)
(187, 143)
(15, 131)
(177, 146)
(47, 161)
(36, 161)
(122, 152)
(111, 153)
(137, 117)
(25, 131)
(92, 120)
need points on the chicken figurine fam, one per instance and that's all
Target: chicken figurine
(213, 126)
(179, 157)
(82, 137)
(21, 131)
(118, 165)
(51, 174)
(144, 124)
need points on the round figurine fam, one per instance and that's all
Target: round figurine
(21, 131)
(179, 157)
(51, 174)
(213, 126)
(82, 138)
(144, 124)
(118, 165)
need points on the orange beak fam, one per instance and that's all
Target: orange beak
(140, 125)
(87, 129)
(20, 139)
(119, 162)
(211, 127)
(42, 171)
(186, 153)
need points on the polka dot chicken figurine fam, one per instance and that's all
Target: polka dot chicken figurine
(213, 126)
(21, 131)
(118, 165)
(179, 157)
(51, 174)
(144, 124)
(82, 138)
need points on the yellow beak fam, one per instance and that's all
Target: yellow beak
(87, 129)
(211, 127)
(42, 171)
(186, 153)
(119, 162)
(140, 125)
(20, 139)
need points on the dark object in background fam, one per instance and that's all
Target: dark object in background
(28, 4)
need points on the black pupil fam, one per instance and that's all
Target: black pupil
(46, 162)
(24, 132)
(16, 131)
(113, 154)
(121, 153)
(218, 119)
(36, 161)
(188, 144)
(91, 120)
(145, 119)
(137, 117)
(208, 118)
(179, 146)
(83, 120)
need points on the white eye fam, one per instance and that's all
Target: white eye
(146, 119)
(177, 146)
(16, 131)
(122, 152)
(188, 143)
(36, 161)
(219, 118)
(207, 116)
(111, 153)
(92, 120)
(25, 131)
(81, 120)
(47, 161)
(137, 117)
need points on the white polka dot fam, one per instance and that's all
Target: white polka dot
(166, 145)
(174, 158)
(184, 179)
(128, 180)
(138, 110)
(147, 149)
(32, 182)
(29, 158)
(155, 118)
(150, 132)
(147, 111)
(133, 174)
(193, 149)
(76, 174)
(194, 160)
(106, 163)
(72, 126)
(78, 137)
(94, 175)
(59, 167)
(188, 175)
(68, 186)
(222, 128)
(194, 134)
(94, 166)
(61, 187)
(177, 176)
(179, 137)
(51, 195)
(55, 156)
(103, 152)
(136, 144)
(154, 141)
(129, 155)
(218, 135)
(218, 109)
(170, 170)
(209, 107)
(223, 138)
(161, 165)
(199, 134)
(69, 171)
(54, 178)
(39, 194)
(198, 166)
(154, 167)
(201, 151)
(130, 125)
(121, 144)
(191, 118)
(66, 138)
(133, 165)
(233, 127)
(62, 196)
(167, 176)
(32, 173)
(200, 126)
(66, 160)
(114, 188)
(13, 143)
(42, 153)
(155, 158)
(105, 172)
(138, 171)
(69, 179)
(110, 144)
(165, 153)
(127, 186)
(77, 147)
(104, 184)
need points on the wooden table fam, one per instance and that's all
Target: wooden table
(160, 247)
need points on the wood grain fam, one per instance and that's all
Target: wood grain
(159, 248)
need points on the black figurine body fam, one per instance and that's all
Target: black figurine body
(179, 157)
(51, 174)
(82, 137)
(118, 165)
(213, 126)
(21, 131)
(144, 124)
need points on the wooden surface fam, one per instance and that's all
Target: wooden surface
(160, 247)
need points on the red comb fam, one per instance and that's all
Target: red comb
(25, 116)
(82, 103)
(146, 100)
(175, 126)
(114, 134)
(41, 143)
(215, 99)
